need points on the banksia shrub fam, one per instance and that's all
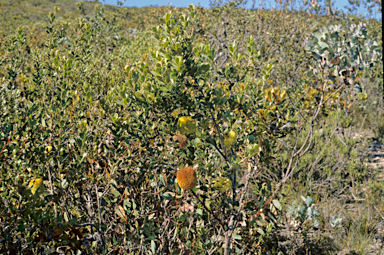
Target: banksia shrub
(186, 125)
(186, 178)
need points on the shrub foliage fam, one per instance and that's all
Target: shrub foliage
(102, 117)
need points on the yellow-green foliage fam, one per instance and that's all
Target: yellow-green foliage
(91, 97)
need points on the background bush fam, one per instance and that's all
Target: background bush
(90, 98)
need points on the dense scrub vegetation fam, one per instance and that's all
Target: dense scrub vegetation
(263, 117)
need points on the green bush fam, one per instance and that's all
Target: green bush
(92, 106)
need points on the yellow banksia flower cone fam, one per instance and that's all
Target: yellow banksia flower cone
(186, 125)
(186, 178)
(230, 139)
(35, 184)
(222, 184)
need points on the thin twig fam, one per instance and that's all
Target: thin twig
(50, 182)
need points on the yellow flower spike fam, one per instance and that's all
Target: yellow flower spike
(48, 149)
(35, 184)
(227, 143)
(230, 139)
(186, 125)
(232, 134)
(222, 184)
(186, 178)
(268, 94)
